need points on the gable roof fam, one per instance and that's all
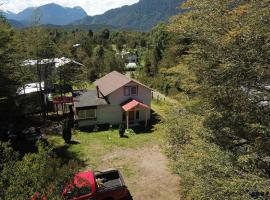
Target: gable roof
(113, 81)
(133, 104)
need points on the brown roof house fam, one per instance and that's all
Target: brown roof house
(116, 99)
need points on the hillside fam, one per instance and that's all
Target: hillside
(50, 14)
(142, 16)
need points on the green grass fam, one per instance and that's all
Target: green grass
(93, 146)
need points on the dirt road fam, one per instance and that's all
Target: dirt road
(148, 176)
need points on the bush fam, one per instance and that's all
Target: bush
(130, 132)
(41, 172)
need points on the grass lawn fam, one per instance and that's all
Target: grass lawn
(138, 157)
(91, 147)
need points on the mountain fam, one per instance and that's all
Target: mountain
(9, 15)
(142, 16)
(16, 23)
(93, 27)
(50, 14)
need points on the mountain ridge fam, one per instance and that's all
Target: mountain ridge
(50, 14)
(141, 16)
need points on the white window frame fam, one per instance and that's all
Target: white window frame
(128, 91)
(85, 114)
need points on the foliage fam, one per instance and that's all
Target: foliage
(8, 77)
(207, 171)
(40, 172)
(219, 147)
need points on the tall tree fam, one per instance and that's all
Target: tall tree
(230, 56)
(8, 80)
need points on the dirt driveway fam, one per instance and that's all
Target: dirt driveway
(146, 172)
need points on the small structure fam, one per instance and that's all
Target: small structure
(129, 57)
(30, 98)
(131, 66)
(56, 62)
(116, 100)
(30, 88)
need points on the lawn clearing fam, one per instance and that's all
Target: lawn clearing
(138, 157)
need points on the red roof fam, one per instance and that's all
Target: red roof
(133, 104)
(113, 81)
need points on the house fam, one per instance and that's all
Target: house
(117, 99)
(131, 66)
(129, 57)
(28, 98)
(56, 62)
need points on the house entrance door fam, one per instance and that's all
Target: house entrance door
(131, 115)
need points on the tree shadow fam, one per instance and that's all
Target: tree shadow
(73, 142)
(66, 155)
(125, 137)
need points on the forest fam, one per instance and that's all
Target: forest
(212, 59)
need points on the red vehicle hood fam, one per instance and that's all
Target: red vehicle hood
(82, 179)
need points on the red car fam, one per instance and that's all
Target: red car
(105, 185)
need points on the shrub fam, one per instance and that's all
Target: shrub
(40, 172)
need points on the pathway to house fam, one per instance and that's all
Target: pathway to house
(146, 168)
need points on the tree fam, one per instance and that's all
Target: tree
(105, 34)
(8, 78)
(230, 57)
(90, 33)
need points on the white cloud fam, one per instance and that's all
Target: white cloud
(92, 7)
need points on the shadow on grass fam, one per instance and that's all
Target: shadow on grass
(124, 137)
(66, 155)
(73, 142)
(155, 119)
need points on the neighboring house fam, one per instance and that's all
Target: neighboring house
(131, 66)
(129, 57)
(28, 99)
(116, 99)
(56, 62)
(30, 88)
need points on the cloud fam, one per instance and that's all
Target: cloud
(92, 7)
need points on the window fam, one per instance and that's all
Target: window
(131, 90)
(126, 91)
(87, 114)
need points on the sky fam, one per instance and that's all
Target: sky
(92, 7)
